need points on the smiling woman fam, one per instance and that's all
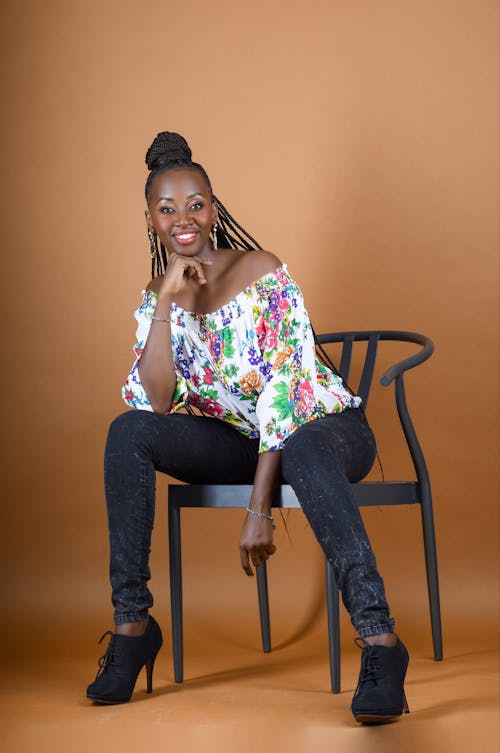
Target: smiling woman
(228, 332)
(172, 150)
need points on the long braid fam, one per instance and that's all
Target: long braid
(159, 259)
(324, 357)
(230, 226)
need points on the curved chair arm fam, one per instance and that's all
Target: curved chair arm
(374, 336)
(408, 363)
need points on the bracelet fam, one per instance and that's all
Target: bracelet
(160, 319)
(262, 515)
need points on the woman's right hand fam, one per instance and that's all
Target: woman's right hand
(180, 270)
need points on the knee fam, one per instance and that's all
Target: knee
(303, 448)
(128, 429)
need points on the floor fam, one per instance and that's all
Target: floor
(235, 698)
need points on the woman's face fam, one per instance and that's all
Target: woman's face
(181, 210)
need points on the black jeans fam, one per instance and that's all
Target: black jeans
(319, 460)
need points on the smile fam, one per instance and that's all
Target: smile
(185, 238)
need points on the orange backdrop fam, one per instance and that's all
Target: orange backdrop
(355, 140)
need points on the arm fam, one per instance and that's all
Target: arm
(256, 540)
(156, 365)
(287, 401)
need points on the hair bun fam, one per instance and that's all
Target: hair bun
(166, 148)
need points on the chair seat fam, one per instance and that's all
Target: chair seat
(367, 493)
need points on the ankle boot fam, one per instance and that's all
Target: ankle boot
(380, 695)
(121, 663)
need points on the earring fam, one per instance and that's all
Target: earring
(214, 238)
(153, 248)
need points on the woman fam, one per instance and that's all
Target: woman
(227, 332)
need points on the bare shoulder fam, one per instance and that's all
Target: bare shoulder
(259, 263)
(155, 284)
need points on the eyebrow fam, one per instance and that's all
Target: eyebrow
(168, 198)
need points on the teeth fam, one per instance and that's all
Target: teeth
(185, 236)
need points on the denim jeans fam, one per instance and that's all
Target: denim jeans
(319, 461)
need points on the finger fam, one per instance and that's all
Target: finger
(258, 558)
(201, 276)
(197, 268)
(184, 262)
(194, 259)
(193, 268)
(271, 549)
(245, 564)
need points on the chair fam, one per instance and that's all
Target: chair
(366, 493)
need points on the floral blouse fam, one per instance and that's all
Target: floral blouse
(251, 362)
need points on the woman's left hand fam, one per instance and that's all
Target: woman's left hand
(256, 542)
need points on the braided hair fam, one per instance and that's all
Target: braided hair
(170, 151)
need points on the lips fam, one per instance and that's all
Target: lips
(186, 237)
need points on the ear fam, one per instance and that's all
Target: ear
(215, 213)
(149, 221)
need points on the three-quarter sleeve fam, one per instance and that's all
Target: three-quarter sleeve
(286, 342)
(133, 392)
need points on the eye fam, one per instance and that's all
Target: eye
(196, 206)
(166, 210)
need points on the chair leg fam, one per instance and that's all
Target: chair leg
(265, 624)
(332, 601)
(174, 537)
(432, 572)
(427, 516)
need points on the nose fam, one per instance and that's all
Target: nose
(183, 218)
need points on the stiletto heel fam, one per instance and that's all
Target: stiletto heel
(149, 673)
(380, 695)
(121, 663)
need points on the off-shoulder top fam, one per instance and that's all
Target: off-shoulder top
(252, 362)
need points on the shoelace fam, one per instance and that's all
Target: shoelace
(370, 668)
(106, 660)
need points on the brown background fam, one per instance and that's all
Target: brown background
(355, 140)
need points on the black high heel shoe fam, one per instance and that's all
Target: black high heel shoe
(380, 695)
(121, 663)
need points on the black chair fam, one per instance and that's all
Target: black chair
(366, 493)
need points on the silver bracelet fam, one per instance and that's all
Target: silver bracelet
(262, 515)
(160, 319)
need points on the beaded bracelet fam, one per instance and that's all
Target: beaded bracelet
(262, 515)
(159, 319)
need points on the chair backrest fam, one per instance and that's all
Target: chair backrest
(373, 338)
(394, 373)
